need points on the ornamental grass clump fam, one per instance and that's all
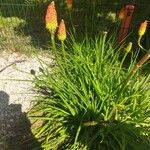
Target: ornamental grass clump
(84, 103)
(89, 100)
(51, 23)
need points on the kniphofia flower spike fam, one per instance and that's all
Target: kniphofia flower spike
(51, 18)
(62, 31)
(142, 28)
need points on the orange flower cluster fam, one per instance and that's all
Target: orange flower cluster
(142, 28)
(51, 22)
(51, 18)
(62, 31)
(69, 4)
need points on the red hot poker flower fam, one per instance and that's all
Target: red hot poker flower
(142, 28)
(62, 31)
(51, 18)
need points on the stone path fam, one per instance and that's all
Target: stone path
(16, 95)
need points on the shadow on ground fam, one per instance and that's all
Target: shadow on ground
(15, 127)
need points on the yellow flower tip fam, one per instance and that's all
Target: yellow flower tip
(51, 18)
(122, 13)
(142, 28)
(62, 31)
(129, 47)
(69, 4)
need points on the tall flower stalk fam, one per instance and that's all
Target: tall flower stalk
(51, 22)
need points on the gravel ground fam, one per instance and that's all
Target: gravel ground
(16, 96)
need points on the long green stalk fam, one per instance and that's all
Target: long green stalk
(139, 44)
(53, 43)
(63, 49)
(122, 61)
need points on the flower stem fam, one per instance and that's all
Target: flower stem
(122, 61)
(53, 44)
(139, 44)
(63, 49)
